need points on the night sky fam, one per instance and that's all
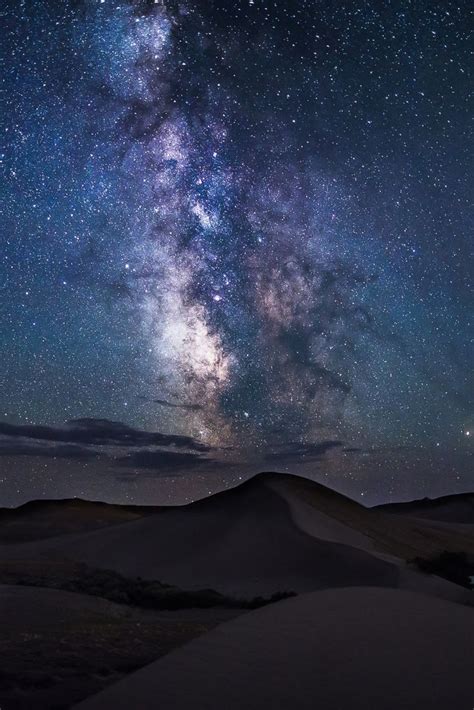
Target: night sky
(235, 237)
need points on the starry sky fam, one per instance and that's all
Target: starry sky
(235, 237)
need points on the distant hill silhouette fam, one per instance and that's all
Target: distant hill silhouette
(458, 508)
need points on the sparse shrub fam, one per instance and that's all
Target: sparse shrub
(148, 594)
(257, 602)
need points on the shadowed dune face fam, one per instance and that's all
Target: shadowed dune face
(241, 542)
(43, 519)
(59, 647)
(346, 648)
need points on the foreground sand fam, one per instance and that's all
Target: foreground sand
(58, 647)
(354, 648)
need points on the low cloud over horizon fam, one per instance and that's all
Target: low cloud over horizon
(124, 446)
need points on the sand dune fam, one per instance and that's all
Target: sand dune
(450, 509)
(42, 519)
(24, 607)
(348, 648)
(242, 542)
(398, 536)
(353, 638)
(273, 533)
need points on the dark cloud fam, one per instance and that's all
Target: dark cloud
(99, 438)
(99, 432)
(89, 438)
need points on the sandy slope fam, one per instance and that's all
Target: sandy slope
(449, 509)
(243, 542)
(273, 533)
(353, 648)
(24, 607)
(42, 519)
(394, 535)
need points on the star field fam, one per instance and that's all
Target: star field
(242, 223)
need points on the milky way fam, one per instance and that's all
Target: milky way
(242, 223)
(241, 302)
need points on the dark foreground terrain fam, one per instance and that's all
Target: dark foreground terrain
(89, 593)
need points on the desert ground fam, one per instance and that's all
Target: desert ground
(279, 593)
